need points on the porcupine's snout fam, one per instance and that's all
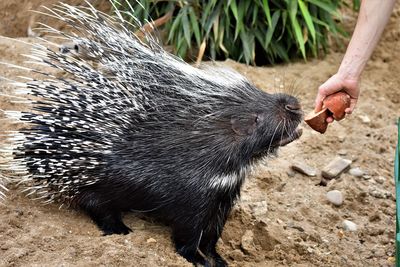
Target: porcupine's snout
(291, 114)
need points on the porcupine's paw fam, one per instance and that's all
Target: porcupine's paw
(115, 228)
(215, 261)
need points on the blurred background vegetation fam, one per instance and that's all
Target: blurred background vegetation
(255, 32)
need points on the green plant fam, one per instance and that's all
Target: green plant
(252, 31)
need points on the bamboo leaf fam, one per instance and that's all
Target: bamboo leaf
(267, 11)
(186, 26)
(234, 9)
(271, 29)
(296, 27)
(327, 6)
(307, 18)
(195, 26)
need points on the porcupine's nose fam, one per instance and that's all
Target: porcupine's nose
(294, 108)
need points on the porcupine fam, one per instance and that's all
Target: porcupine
(145, 132)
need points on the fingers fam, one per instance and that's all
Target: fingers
(353, 103)
(318, 102)
(332, 85)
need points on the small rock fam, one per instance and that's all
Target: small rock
(303, 168)
(151, 240)
(141, 254)
(342, 152)
(335, 197)
(391, 260)
(380, 179)
(356, 172)
(366, 177)
(365, 119)
(247, 242)
(380, 193)
(349, 226)
(335, 167)
(340, 234)
(259, 208)
(290, 173)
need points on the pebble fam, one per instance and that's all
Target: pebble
(380, 179)
(290, 173)
(391, 260)
(303, 168)
(356, 172)
(366, 177)
(349, 226)
(365, 119)
(342, 152)
(335, 167)
(259, 208)
(151, 240)
(380, 193)
(247, 242)
(335, 197)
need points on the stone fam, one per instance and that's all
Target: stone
(366, 177)
(349, 226)
(356, 172)
(335, 167)
(247, 242)
(379, 193)
(365, 119)
(290, 173)
(342, 152)
(335, 197)
(259, 208)
(303, 168)
(380, 179)
(151, 240)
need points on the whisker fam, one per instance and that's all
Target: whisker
(273, 135)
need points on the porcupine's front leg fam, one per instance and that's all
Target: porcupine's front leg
(213, 232)
(196, 240)
(103, 213)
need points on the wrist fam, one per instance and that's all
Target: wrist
(349, 73)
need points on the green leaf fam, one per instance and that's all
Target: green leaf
(174, 27)
(307, 18)
(327, 6)
(234, 9)
(296, 27)
(186, 26)
(195, 26)
(271, 29)
(248, 46)
(267, 11)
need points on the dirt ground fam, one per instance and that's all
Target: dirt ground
(282, 219)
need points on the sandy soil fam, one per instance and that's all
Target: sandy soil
(283, 218)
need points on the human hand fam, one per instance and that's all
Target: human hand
(335, 84)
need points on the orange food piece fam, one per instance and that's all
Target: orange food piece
(317, 121)
(337, 104)
(333, 105)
